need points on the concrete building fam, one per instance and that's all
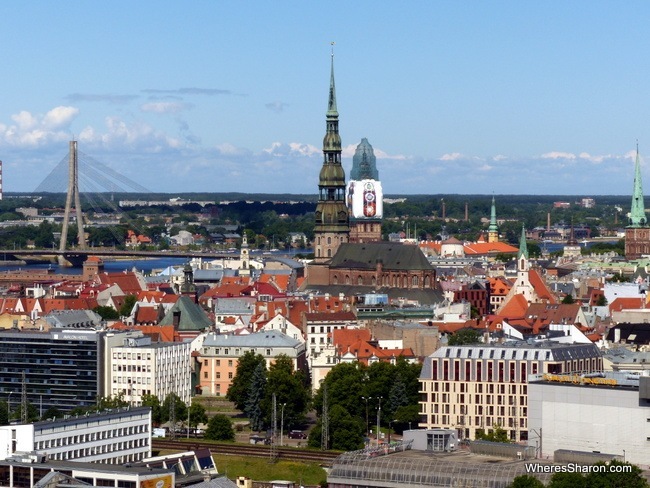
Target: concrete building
(468, 388)
(220, 354)
(318, 328)
(114, 437)
(139, 367)
(606, 413)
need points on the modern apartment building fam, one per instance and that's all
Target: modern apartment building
(140, 367)
(474, 387)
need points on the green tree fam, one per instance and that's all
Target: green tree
(106, 313)
(50, 413)
(256, 394)
(348, 434)
(568, 299)
(238, 390)
(610, 478)
(601, 301)
(398, 396)
(127, 306)
(496, 434)
(568, 480)
(464, 337)
(153, 402)
(180, 409)
(220, 429)
(4, 413)
(115, 401)
(345, 387)
(291, 391)
(526, 481)
(197, 415)
(32, 412)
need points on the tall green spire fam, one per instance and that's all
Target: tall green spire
(331, 103)
(523, 247)
(637, 212)
(493, 218)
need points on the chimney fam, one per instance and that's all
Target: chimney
(176, 320)
(548, 221)
(466, 212)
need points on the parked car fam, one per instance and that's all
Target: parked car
(297, 434)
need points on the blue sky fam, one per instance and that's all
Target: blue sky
(456, 97)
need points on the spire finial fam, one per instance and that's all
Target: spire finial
(523, 246)
(637, 212)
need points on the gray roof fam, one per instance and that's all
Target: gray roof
(239, 305)
(394, 256)
(208, 274)
(79, 319)
(258, 339)
(220, 482)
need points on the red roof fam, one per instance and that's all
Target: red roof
(624, 303)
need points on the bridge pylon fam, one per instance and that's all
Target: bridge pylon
(73, 194)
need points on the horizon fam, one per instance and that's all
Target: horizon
(535, 99)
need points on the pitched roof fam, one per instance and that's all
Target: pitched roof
(394, 256)
(483, 248)
(539, 285)
(127, 281)
(192, 317)
(626, 303)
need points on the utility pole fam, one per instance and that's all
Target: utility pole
(23, 400)
(274, 425)
(325, 423)
(378, 420)
(172, 417)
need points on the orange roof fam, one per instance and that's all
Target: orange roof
(127, 281)
(499, 286)
(515, 307)
(625, 303)
(483, 248)
(160, 333)
(281, 282)
(147, 315)
(357, 342)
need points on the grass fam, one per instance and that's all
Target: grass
(260, 469)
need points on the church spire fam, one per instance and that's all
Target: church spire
(493, 229)
(637, 212)
(523, 247)
(331, 104)
(332, 219)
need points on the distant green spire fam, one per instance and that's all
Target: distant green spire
(637, 212)
(493, 218)
(523, 247)
(331, 104)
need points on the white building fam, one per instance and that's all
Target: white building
(140, 367)
(607, 413)
(115, 437)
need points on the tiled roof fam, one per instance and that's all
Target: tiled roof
(394, 256)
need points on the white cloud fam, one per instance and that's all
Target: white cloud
(165, 107)
(451, 157)
(558, 155)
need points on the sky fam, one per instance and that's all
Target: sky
(467, 97)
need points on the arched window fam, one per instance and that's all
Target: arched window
(329, 240)
(335, 280)
(319, 240)
(318, 252)
(414, 281)
(347, 279)
(329, 253)
(359, 280)
(427, 281)
(373, 281)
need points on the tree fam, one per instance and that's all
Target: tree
(238, 390)
(180, 409)
(496, 434)
(4, 413)
(220, 428)
(398, 396)
(568, 480)
(127, 306)
(153, 402)
(291, 390)
(197, 415)
(464, 336)
(51, 413)
(568, 299)
(601, 301)
(346, 431)
(106, 312)
(526, 481)
(614, 477)
(115, 401)
(256, 393)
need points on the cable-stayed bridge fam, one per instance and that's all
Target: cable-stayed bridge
(79, 172)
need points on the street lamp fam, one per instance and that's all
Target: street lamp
(282, 424)
(9, 407)
(367, 426)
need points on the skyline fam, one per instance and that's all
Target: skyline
(502, 98)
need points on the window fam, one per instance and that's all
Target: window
(230, 375)
(230, 363)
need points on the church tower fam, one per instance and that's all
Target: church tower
(493, 229)
(244, 257)
(332, 220)
(637, 233)
(365, 196)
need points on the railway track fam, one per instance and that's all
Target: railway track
(283, 453)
